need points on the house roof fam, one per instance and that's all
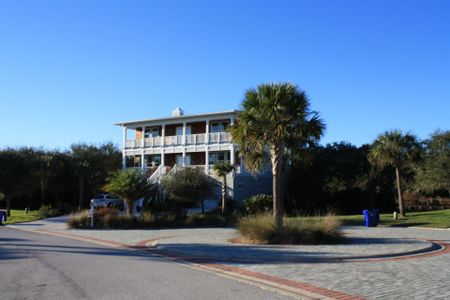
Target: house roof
(176, 119)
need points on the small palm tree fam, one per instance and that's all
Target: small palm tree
(395, 149)
(275, 125)
(131, 185)
(222, 169)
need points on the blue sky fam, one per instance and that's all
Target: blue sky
(70, 69)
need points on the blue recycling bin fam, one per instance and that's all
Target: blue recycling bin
(2, 216)
(370, 218)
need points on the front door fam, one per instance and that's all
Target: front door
(187, 160)
(179, 160)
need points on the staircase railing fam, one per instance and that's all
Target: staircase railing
(155, 175)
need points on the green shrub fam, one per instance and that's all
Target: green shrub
(47, 211)
(262, 229)
(188, 187)
(258, 204)
(207, 220)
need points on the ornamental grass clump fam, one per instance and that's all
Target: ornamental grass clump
(79, 220)
(262, 229)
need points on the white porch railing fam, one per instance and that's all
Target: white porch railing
(219, 137)
(177, 140)
(195, 139)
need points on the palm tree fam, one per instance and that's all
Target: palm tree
(222, 169)
(131, 185)
(275, 124)
(395, 149)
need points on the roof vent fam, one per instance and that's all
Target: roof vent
(177, 112)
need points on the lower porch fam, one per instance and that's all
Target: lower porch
(203, 160)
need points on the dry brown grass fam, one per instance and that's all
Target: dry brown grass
(261, 229)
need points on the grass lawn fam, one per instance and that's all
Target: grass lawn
(18, 216)
(434, 218)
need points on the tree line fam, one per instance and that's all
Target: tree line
(345, 178)
(34, 177)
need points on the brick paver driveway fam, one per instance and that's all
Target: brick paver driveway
(348, 268)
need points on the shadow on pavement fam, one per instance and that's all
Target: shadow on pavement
(247, 254)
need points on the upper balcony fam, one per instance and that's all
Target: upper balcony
(179, 131)
(179, 140)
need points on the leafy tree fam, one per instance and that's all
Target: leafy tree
(222, 169)
(29, 186)
(434, 174)
(334, 178)
(188, 187)
(92, 164)
(131, 185)
(11, 174)
(45, 161)
(62, 178)
(275, 125)
(395, 149)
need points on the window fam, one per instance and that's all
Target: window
(137, 161)
(258, 186)
(215, 157)
(151, 132)
(219, 126)
(152, 160)
(240, 186)
(180, 130)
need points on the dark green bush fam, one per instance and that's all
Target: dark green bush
(47, 211)
(258, 204)
(207, 220)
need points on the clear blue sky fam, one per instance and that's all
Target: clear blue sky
(70, 69)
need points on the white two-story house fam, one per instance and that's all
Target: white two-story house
(163, 145)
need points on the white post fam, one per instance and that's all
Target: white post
(232, 146)
(124, 142)
(163, 137)
(92, 216)
(206, 148)
(142, 147)
(183, 141)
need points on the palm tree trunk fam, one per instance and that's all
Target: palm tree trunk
(224, 192)
(203, 206)
(277, 185)
(81, 191)
(401, 205)
(129, 208)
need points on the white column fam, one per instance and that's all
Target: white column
(206, 147)
(232, 148)
(142, 147)
(163, 137)
(183, 141)
(124, 142)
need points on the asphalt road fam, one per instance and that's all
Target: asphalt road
(38, 266)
